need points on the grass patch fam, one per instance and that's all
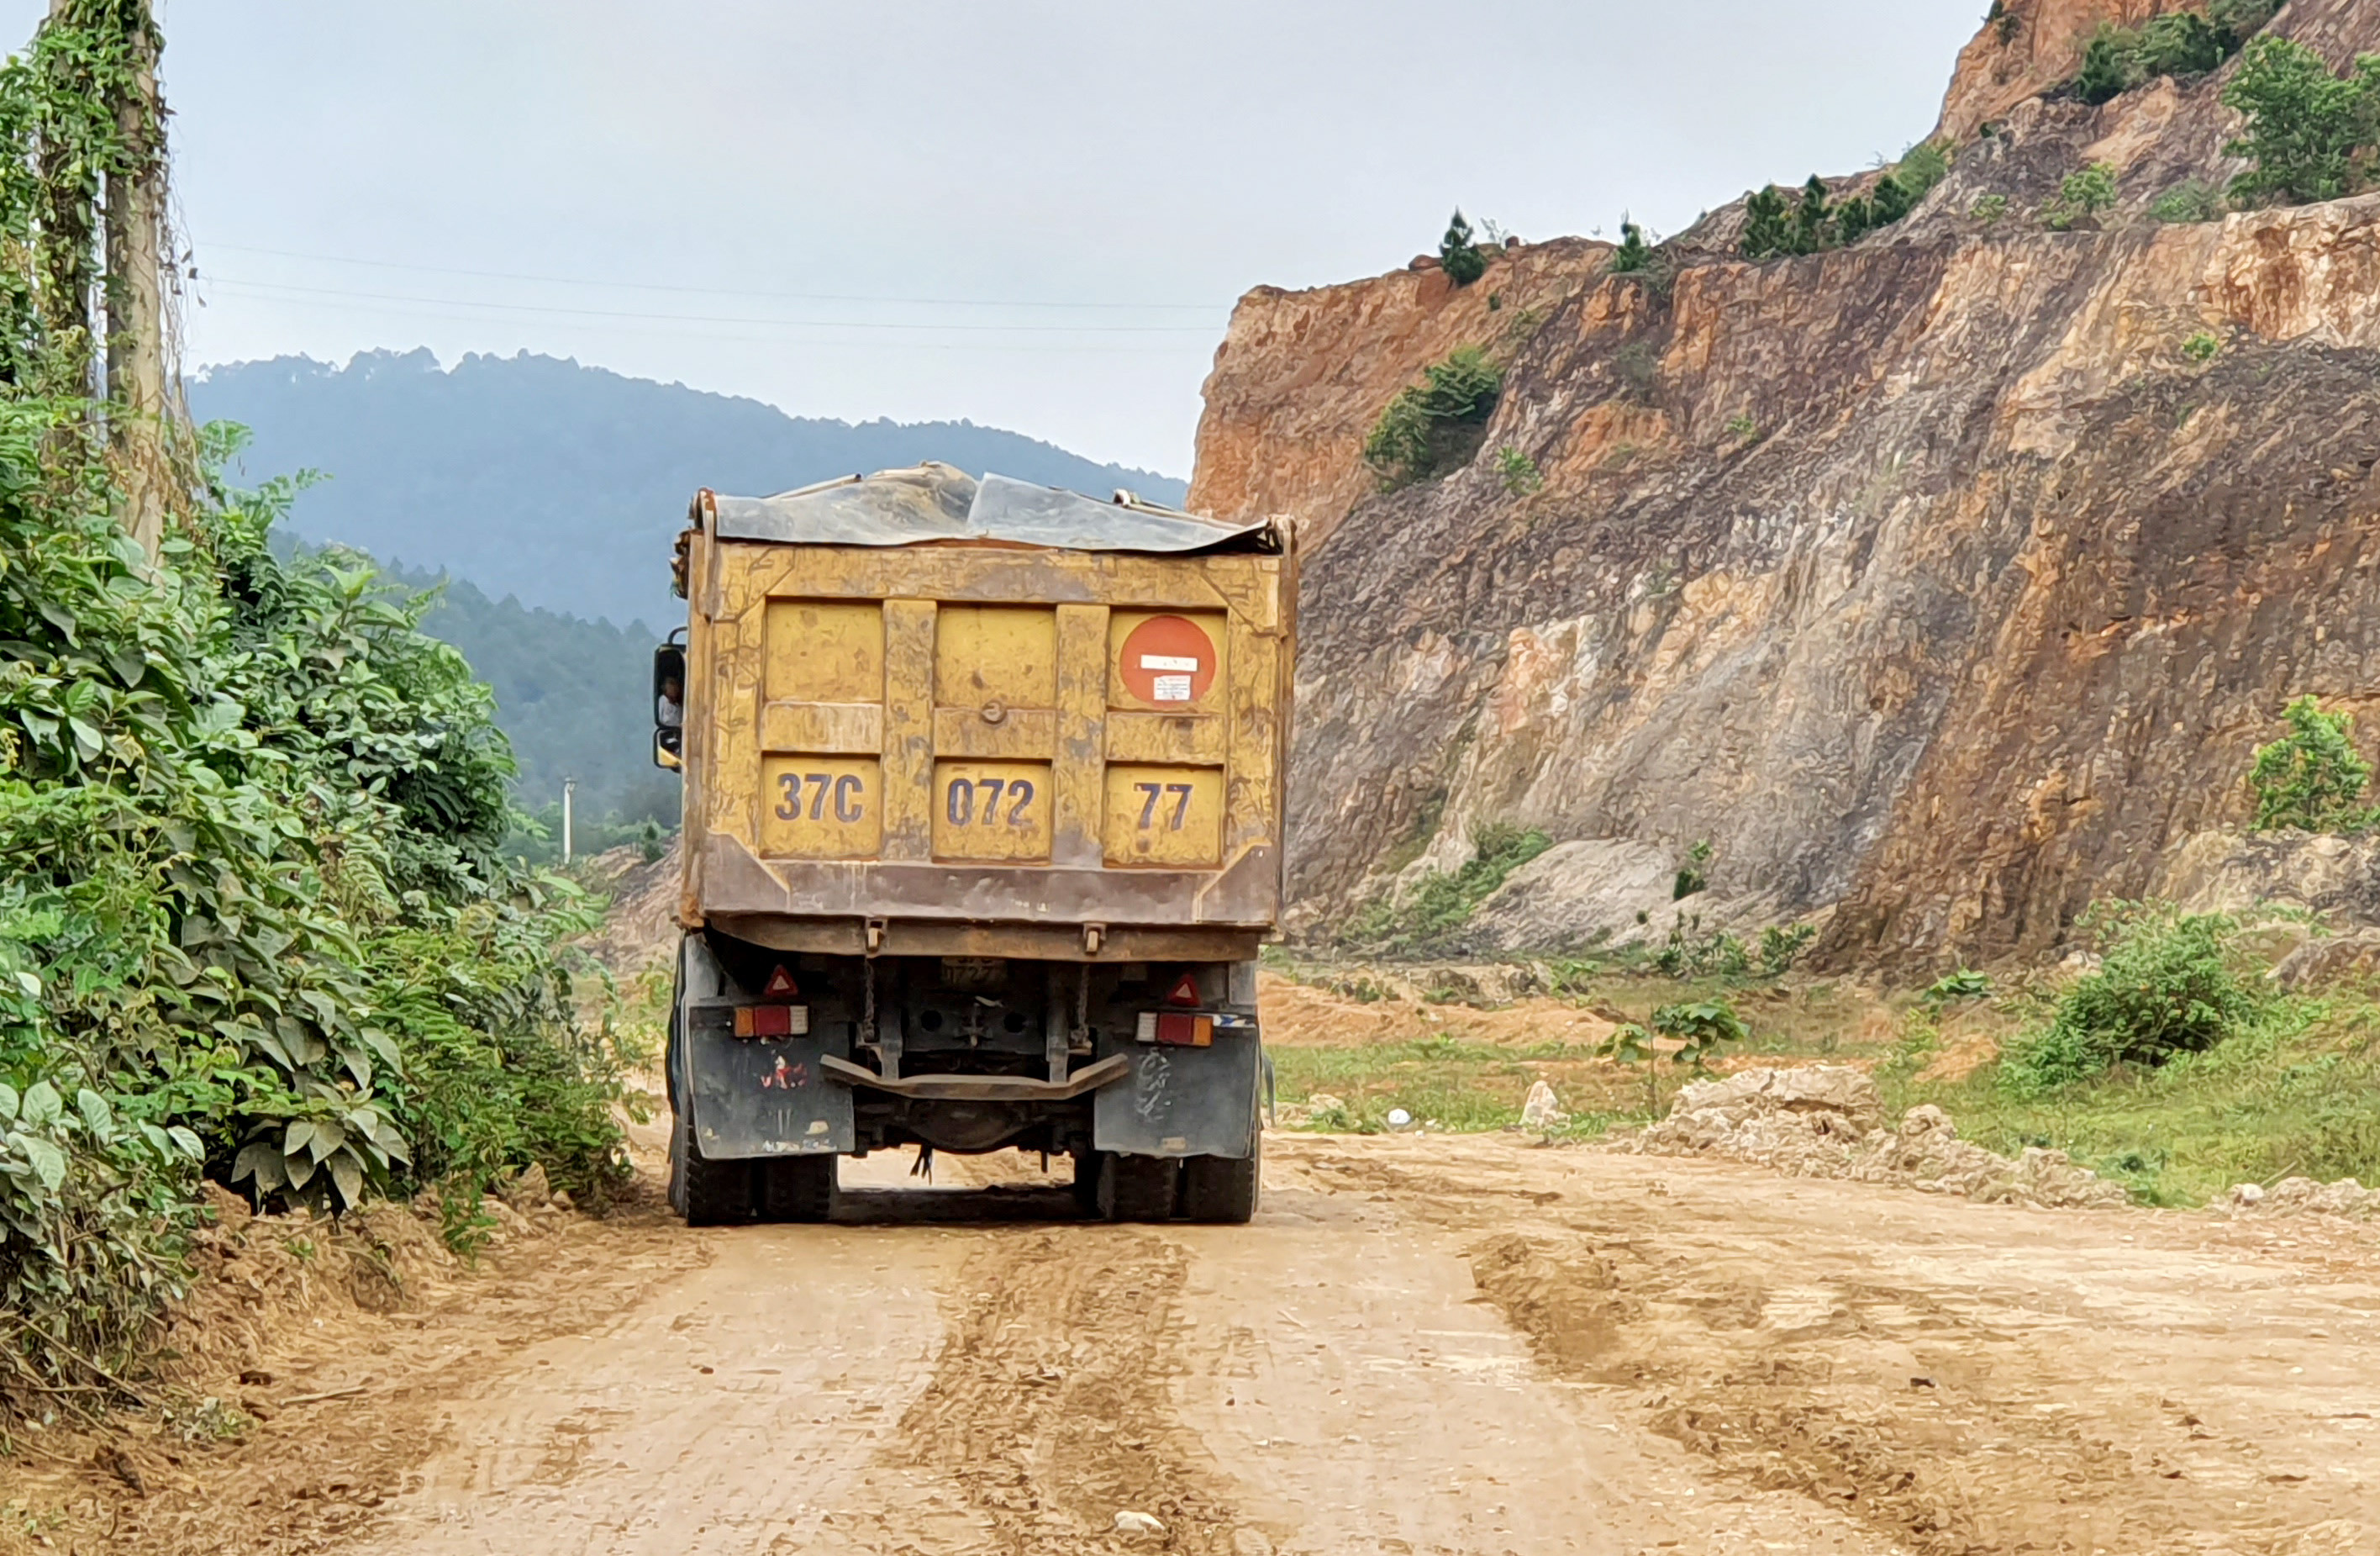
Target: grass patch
(2298, 1094)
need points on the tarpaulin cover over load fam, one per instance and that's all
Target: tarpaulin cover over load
(928, 503)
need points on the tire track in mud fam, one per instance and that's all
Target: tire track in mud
(1050, 1405)
(1877, 1403)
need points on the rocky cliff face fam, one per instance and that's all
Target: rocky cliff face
(1938, 581)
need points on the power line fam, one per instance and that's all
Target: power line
(239, 290)
(716, 291)
(286, 288)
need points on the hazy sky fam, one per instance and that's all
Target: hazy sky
(1035, 215)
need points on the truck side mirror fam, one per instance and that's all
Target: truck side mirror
(669, 705)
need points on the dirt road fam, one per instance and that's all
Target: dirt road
(1457, 1344)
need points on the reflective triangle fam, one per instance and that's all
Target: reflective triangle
(781, 985)
(1184, 991)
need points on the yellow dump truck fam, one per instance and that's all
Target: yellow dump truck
(983, 830)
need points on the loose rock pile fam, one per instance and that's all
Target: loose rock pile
(2304, 1197)
(1826, 1122)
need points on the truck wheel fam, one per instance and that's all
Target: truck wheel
(707, 1193)
(1089, 1167)
(1224, 1189)
(1140, 1188)
(798, 1188)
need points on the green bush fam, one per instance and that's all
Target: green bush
(2309, 132)
(1964, 984)
(2168, 983)
(1429, 424)
(1459, 257)
(1689, 952)
(2202, 348)
(1774, 226)
(1780, 947)
(1700, 1030)
(1692, 877)
(1518, 472)
(2085, 192)
(2239, 21)
(1633, 255)
(2177, 43)
(1989, 209)
(2189, 201)
(2313, 777)
(1443, 901)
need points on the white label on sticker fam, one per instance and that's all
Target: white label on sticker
(1148, 1027)
(1172, 688)
(1168, 661)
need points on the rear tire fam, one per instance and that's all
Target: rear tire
(1140, 1188)
(707, 1193)
(798, 1188)
(1090, 1166)
(1224, 1189)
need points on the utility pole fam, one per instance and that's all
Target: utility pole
(569, 788)
(136, 297)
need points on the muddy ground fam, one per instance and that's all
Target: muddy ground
(1434, 1344)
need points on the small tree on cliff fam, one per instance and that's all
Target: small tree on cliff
(1461, 257)
(2313, 777)
(2310, 133)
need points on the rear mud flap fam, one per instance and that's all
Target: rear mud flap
(1181, 1102)
(762, 1096)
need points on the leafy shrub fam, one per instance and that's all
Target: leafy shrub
(1633, 255)
(1964, 984)
(2085, 192)
(1988, 208)
(1458, 255)
(1518, 472)
(1781, 946)
(2168, 983)
(2309, 131)
(1690, 877)
(1774, 227)
(2177, 43)
(2189, 201)
(2313, 777)
(1743, 428)
(2239, 21)
(1688, 951)
(1443, 901)
(2202, 348)
(1699, 1030)
(1429, 424)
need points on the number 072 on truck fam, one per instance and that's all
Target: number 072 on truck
(983, 789)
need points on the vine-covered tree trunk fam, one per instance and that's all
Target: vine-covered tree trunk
(136, 303)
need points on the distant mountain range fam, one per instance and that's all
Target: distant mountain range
(558, 483)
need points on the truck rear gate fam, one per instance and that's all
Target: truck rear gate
(982, 831)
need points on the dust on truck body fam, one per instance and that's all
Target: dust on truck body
(982, 831)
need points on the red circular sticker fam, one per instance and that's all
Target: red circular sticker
(1167, 661)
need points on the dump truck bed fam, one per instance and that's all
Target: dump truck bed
(1059, 731)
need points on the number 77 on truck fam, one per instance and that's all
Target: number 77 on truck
(983, 813)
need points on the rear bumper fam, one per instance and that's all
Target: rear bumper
(982, 1088)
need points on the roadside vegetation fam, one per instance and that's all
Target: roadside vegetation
(255, 925)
